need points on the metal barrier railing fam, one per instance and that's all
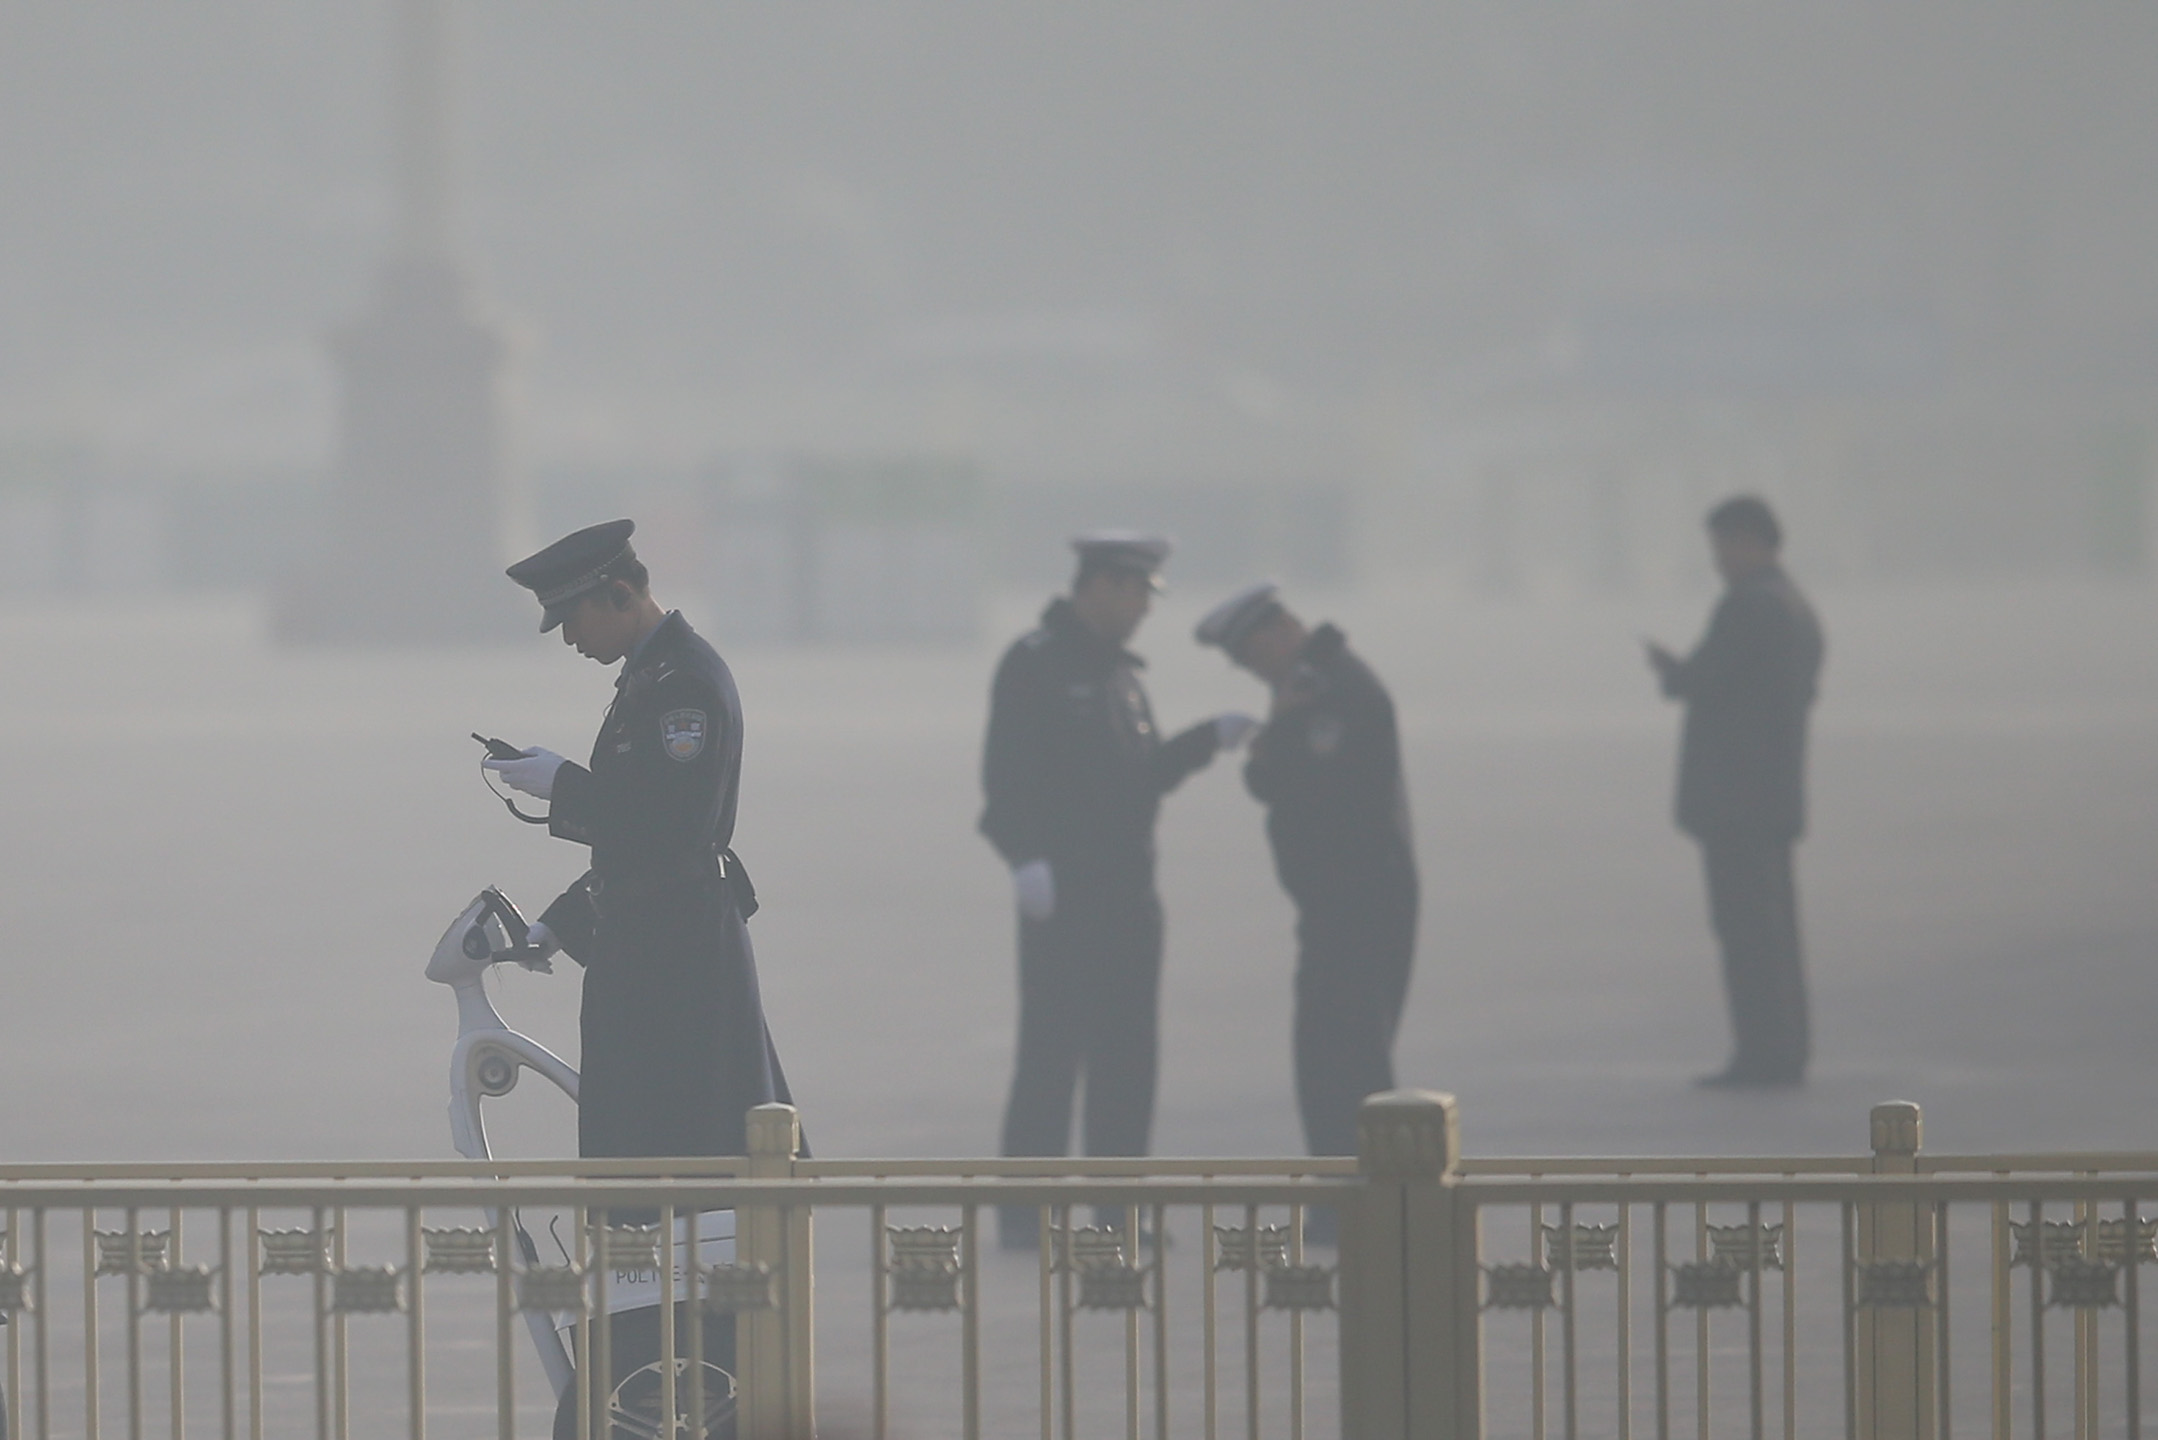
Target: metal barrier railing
(1781, 1296)
(1541, 1298)
(372, 1298)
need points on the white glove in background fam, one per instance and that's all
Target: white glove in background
(532, 772)
(1034, 886)
(1232, 729)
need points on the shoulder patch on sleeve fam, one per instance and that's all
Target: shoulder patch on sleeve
(682, 733)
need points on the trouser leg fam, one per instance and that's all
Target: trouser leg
(1122, 1012)
(1785, 981)
(1045, 1070)
(1753, 905)
(1351, 980)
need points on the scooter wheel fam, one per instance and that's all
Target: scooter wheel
(633, 1409)
(497, 1075)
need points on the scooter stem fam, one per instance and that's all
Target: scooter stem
(487, 1060)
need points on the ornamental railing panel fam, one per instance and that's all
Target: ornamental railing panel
(1406, 1292)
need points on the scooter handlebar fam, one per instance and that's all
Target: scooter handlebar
(489, 930)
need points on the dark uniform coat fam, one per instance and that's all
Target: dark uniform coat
(1748, 688)
(1073, 771)
(675, 1050)
(1328, 768)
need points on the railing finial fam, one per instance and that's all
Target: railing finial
(1408, 1134)
(775, 1132)
(1896, 1128)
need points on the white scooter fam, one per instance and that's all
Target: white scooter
(485, 1064)
(487, 1059)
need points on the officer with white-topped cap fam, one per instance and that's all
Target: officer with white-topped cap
(1327, 766)
(1073, 772)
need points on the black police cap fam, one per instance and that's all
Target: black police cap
(574, 566)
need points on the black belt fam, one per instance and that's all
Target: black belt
(722, 868)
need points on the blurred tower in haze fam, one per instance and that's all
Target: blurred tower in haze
(413, 550)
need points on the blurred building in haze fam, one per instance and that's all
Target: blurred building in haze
(417, 493)
(1526, 285)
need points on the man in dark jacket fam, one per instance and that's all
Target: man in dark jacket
(1328, 768)
(1073, 772)
(1747, 688)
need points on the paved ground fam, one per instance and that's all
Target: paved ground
(225, 866)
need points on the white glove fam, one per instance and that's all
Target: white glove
(540, 938)
(1034, 886)
(1232, 729)
(532, 772)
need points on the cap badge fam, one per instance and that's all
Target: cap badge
(682, 732)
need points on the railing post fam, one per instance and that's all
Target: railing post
(775, 1348)
(1411, 1333)
(1895, 1344)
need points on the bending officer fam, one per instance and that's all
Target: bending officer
(1328, 769)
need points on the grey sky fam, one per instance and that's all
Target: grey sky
(856, 211)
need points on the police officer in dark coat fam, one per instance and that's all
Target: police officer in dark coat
(674, 1046)
(1328, 768)
(1073, 771)
(675, 1050)
(1747, 688)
